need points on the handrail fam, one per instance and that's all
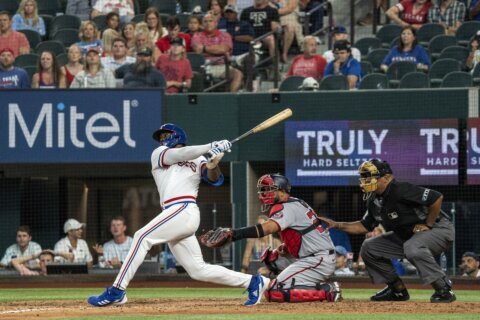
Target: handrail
(328, 6)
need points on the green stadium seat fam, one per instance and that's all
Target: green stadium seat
(334, 82)
(414, 80)
(374, 81)
(291, 83)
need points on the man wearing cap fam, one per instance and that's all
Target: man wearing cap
(73, 243)
(308, 64)
(415, 226)
(174, 28)
(94, 75)
(142, 73)
(175, 67)
(24, 247)
(470, 265)
(15, 41)
(345, 64)
(341, 268)
(10, 76)
(340, 33)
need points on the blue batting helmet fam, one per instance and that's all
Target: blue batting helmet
(176, 135)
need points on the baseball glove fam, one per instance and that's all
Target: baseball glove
(216, 238)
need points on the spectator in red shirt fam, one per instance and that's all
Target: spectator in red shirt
(13, 40)
(410, 13)
(215, 45)
(173, 27)
(308, 64)
(176, 67)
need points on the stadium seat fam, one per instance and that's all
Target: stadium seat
(374, 81)
(394, 42)
(366, 67)
(414, 80)
(455, 52)
(164, 17)
(387, 33)
(29, 59)
(167, 7)
(476, 74)
(47, 19)
(366, 45)
(376, 56)
(51, 7)
(466, 31)
(457, 79)
(428, 31)
(440, 68)
(136, 7)
(189, 5)
(196, 61)
(334, 82)
(440, 42)
(31, 70)
(198, 82)
(183, 18)
(9, 5)
(33, 37)
(64, 22)
(66, 36)
(397, 70)
(62, 59)
(138, 18)
(54, 46)
(101, 22)
(291, 84)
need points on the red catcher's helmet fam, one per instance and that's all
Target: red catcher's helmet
(267, 186)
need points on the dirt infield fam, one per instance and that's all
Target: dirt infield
(144, 307)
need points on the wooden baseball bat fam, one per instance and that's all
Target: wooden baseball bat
(266, 124)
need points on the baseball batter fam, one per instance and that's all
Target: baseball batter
(178, 170)
(303, 238)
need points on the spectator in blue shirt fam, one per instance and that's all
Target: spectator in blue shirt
(474, 10)
(27, 18)
(407, 50)
(11, 77)
(345, 64)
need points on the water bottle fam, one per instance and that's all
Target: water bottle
(178, 7)
(443, 262)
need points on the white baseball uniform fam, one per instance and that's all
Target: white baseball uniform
(177, 173)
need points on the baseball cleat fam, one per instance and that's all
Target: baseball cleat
(111, 296)
(445, 295)
(388, 294)
(255, 289)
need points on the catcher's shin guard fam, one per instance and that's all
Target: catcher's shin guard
(322, 292)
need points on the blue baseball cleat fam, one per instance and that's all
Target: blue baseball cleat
(111, 296)
(255, 289)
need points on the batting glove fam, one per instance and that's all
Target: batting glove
(222, 145)
(214, 158)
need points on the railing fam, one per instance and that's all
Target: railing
(306, 24)
(225, 82)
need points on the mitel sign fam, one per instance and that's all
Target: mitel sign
(78, 126)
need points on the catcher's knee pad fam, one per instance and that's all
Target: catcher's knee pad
(321, 292)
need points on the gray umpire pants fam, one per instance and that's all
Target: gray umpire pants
(420, 250)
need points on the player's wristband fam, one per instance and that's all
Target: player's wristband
(248, 232)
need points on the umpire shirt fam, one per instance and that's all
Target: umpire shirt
(401, 206)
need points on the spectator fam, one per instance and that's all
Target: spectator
(474, 56)
(23, 248)
(316, 19)
(410, 13)
(264, 19)
(141, 74)
(341, 268)
(115, 251)
(89, 37)
(154, 23)
(13, 40)
(94, 75)
(79, 8)
(39, 261)
(215, 45)
(407, 50)
(292, 29)
(474, 10)
(215, 8)
(142, 39)
(345, 64)
(119, 55)
(128, 33)
(113, 21)
(108, 37)
(73, 243)
(173, 27)
(27, 18)
(449, 13)
(11, 77)
(124, 8)
(194, 25)
(74, 64)
(175, 67)
(49, 74)
(470, 265)
(308, 64)
(340, 33)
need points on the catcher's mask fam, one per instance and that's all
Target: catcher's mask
(267, 187)
(370, 171)
(170, 135)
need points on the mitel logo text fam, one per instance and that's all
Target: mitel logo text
(101, 130)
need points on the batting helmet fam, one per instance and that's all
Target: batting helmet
(267, 186)
(370, 171)
(174, 135)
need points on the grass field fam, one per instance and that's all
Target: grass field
(13, 300)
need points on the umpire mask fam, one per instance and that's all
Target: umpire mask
(370, 171)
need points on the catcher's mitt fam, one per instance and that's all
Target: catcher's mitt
(216, 238)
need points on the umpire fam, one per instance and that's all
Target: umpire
(416, 229)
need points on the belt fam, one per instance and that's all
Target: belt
(330, 252)
(177, 200)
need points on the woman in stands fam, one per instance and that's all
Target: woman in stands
(407, 50)
(124, 8)
(27, 18)
(89, 37)
(107, 39)
(142, 39)
(410, 13)
(49, 75)
(128, 33)
(215, 8)
(113, 21)
(74, 64)
(154, 23)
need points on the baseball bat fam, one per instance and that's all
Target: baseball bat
(266, 124)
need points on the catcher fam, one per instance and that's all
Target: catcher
(303, 238)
